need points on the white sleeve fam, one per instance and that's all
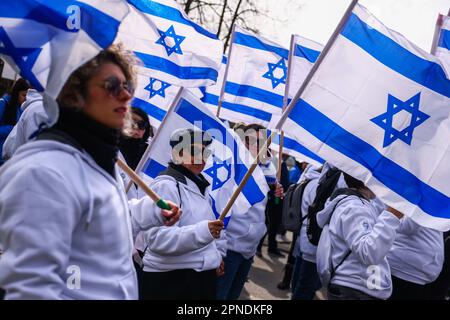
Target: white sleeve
(36, 229)
(145, 214)
(370, 242)
(175, 240)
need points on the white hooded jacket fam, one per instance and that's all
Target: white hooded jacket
(368, 231)
(417, 254)
(65, 226)
(188, 244)
(32, 117)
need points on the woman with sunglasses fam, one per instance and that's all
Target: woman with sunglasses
(65, 224)
(135, 141)
(181, 262)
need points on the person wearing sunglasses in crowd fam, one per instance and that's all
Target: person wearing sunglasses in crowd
(65, 224)
(181, 262)
(134, 142)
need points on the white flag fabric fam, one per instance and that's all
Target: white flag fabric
(47, 40)
(378, 107)
(227, 165)
(255, 79)
(443, 44)
(170, 46)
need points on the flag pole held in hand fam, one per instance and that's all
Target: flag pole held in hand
(136, 179)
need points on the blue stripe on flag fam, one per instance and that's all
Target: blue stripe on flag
(383, 169)
(149, 108)
(217, 213)
(291, 144)
(307, 53)
(388, 52)
(256, 43)
(444, 39)
(100, 27)
(224, 59)
(254, 93)
(153, 168)
(239, 108)
(210, 98)
(169, 13)
(192, 114)
(186, 73)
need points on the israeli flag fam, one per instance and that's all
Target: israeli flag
(378, 107)
(255, 79)
(155, 97)
(170, 46)
(443, 41)
(47, 40)
(302, 56)
(226, 166)
(211, 94)
(295, 149)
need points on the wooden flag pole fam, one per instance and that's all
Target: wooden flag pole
(136, 179)
(246, 177)
(437, 32)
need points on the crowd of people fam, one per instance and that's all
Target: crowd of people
(70, 229)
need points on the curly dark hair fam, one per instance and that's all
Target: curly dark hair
(75, 89)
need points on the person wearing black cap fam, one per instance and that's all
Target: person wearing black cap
(181, 262)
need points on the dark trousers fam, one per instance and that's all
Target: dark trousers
(336, 292)
(230, 285)
(184, 284)
(405, 290)
(305, 281)
(273, 221)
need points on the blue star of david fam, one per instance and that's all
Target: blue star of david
(394, 106)
(24, 58)
(213, 171)
(272, 67)
(176, 38)
(161, 91)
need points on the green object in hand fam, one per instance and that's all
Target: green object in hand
(277, 200)
(163, 205)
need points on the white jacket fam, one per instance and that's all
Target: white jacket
(417, 254)
(188, 244)
(62, 216)
(32, 117)
(369, 231)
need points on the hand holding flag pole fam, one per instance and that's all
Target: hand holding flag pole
(246, 177)
(136, 179)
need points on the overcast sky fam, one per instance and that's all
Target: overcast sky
(317, 19)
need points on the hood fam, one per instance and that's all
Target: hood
(51, 108)
(32, 96)
(328, 166)
(323, 217)
(310, 172)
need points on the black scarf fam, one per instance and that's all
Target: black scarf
(199, 180)
(132, 150)
(75, 128)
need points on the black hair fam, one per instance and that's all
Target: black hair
(10, 113)
(141, 113)
(353, 182)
